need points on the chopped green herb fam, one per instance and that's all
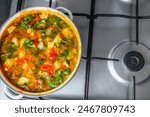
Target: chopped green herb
(53, 33)
(26, 20)
(64, 54)
(53, 84)
(39, 24)
(36, 52)
(66, 72)
(40, 62)
(28, 43)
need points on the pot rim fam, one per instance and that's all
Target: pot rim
(45, 93)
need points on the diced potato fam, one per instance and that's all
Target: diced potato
(67, 32)
(41, 45)
(24, 66)
(40, 39)
(74, 51)
(57, 39)
(21, 54)
(50, 45)
(22, 42)
(44, 16)
(57, 65)
(65, 64)
(23, 80)
(15, 41)
(70, 56)
(29, 30)
(11, 29)
(9, 62)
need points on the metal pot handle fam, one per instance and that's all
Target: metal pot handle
(66, 10)
(11, 95)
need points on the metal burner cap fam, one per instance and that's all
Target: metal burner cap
(134, 61)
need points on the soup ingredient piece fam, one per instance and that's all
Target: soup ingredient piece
(26, 20)
(9, 62)
(21, 60)
(53, 84)
(11, 29)
(70, 56)
(53, 54)
(53, 33)
(40, 62)
(36, 42)
(23, 81)
(11, 48)
(47, 68)
(41, 45)
(50, 45)
(44, 16)
(36, 52)
(57, 64)
(64, 54)
(29, 30)
(57, 40)
(59, 76)
(40, 24)
(28, 43)
(66, 72)
(15, 41)
(66, 63)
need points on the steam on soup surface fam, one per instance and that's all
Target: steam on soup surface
(38, 51)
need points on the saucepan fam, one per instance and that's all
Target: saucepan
(9, 86)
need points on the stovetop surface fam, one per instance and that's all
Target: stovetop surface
(107, 33)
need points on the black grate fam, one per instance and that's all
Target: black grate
(92, 16)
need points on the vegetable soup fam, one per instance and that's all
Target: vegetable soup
(38, 51)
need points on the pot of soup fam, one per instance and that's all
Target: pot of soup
(40, 51)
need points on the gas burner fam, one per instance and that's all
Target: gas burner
(133, 61)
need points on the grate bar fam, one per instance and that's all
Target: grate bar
(115, 15)
(107, 59)
(89, 50)
(134, 88)
(19, 3)
(137, 22)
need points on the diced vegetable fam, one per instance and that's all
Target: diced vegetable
(53, 33)
(58, 76)
(23, 81)
(29, 30)
(66, 63)
(28, 43)
(9, 62)
(11, 48)
(36, 52)
(50, 45)
(15, 41)
(11, 29)
(57, 64)
(40, 62)
(40, 24)
(64, 54)
(57, 40)
(44, 16)
(66, 72)
(53, 54)
(41, 45)
(53, 84)
(26, 20)
(47, 68)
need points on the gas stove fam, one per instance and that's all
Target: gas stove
(115, 63)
